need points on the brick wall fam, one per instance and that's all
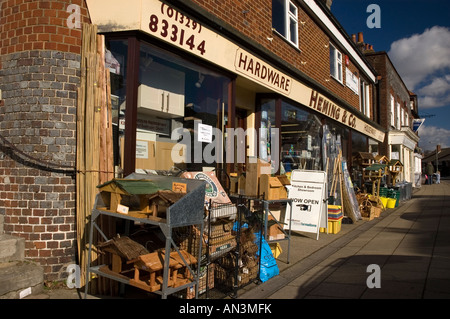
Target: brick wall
(39, 75)
(390, 84)
(254, 20)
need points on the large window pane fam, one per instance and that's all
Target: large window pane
(175, 93)
(300, 139)
(116, 60)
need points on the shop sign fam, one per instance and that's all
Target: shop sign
(351, 80)
(324, 106)
(328, 108)
(205, 133)
(179, 29)
(309, 209)
(172, 26)
(262, 72)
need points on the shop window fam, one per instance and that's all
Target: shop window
(335, 63)
(266, 137)
(285, 19)
(175, 93)
(116, 61)
(300, 139)
(359, 144)
(373, 147)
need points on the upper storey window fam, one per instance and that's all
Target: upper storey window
(335, 63)
(285, 19)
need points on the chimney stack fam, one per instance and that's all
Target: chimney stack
(360, 37)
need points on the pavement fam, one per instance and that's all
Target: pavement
(409, 247)
(403, 254)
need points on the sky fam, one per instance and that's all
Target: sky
(416, 36)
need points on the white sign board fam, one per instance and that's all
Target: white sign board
(352, 81)
(142, 149)
(309, 206)
(205, 133)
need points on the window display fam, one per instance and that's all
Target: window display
(300, 139)
(172, 93)
(176, 93)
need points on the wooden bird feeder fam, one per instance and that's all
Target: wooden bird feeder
(148, 270)
(375, 173)
(395, 168)
(365, 159)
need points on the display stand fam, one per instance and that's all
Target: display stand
(188, 211)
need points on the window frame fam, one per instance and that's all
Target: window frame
(364, 97)
(288, 17)
(392, 120)
(337, 74)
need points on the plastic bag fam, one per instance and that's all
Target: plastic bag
(268, 263)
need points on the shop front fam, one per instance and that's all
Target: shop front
(188, 99)
(175, 94)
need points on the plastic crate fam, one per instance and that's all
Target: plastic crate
(334, 226)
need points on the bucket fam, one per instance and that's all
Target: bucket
(384, 201)
(391, 202)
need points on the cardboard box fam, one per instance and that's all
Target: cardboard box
(254, 169)
(271, 187)
(274, 231)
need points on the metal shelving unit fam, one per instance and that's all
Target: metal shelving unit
(287, 233)
(188, 211)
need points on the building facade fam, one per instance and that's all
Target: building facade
(269, 64)
(398, 109)
(182, 73)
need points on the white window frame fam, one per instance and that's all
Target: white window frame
(289, 17)
(402, 117)
(398, 116)
(392, 111)
(336, 56)
(364, 98)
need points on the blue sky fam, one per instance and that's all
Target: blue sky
(416, 36)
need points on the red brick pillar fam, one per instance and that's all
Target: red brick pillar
(39, 75)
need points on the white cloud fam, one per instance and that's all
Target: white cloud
(430, 136)
(423, 61)
(436, 93)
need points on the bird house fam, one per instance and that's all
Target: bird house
(148, 270)
(159, 201)
(365, 159)
(123, 195)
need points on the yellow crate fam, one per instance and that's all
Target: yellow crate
(334, 227)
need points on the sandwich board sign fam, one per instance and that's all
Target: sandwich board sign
(308, 192)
